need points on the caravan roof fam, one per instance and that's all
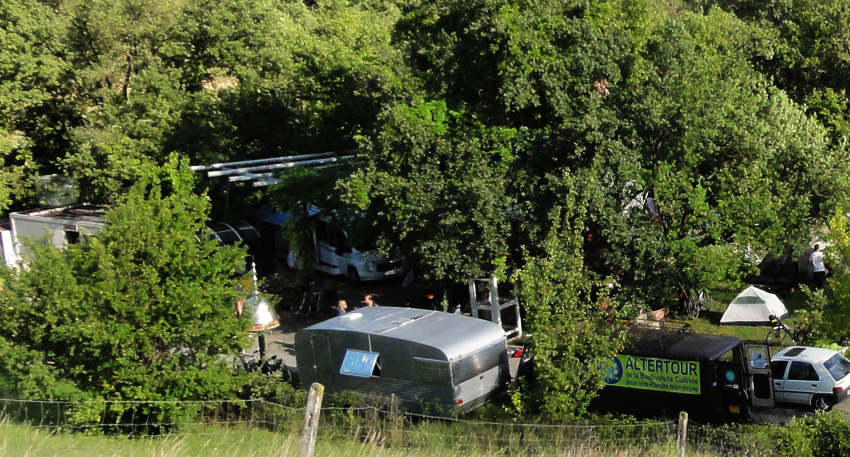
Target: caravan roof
(83, 213)
(453, 334)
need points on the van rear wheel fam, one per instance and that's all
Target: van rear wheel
(821, 403)
(353, 275)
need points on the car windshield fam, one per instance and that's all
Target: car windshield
(838, 366)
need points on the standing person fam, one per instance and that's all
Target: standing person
(341, 308)
(368, 301)
(818, 268)
(805, 264)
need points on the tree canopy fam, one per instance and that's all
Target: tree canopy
(509, 137)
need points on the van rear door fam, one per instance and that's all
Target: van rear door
(759, 377)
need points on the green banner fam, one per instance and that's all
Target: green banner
(677, 376)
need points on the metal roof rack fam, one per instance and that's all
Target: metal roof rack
(262, 171)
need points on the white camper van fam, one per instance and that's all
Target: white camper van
(335, 253)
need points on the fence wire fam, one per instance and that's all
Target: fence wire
(380, 427)
(145, 417)
(724, 442)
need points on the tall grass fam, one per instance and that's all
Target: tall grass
(438, 440)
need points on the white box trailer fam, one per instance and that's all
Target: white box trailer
(66, 225)
(62, 226)
(7, 246)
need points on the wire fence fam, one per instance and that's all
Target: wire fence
(381, 427)
(146, 417)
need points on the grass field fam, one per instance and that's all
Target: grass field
(22, 441)
(709, 320)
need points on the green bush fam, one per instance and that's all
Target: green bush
(781, 441)
(828, 434)
(134, 320)
(821, 435)
(274, 388)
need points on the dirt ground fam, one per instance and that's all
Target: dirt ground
(280, 341)
(784, 413)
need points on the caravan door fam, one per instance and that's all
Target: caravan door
(322, 360)
(759, 375)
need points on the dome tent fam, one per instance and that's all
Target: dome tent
(754, 306)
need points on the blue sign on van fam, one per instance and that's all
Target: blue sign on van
(358, 363)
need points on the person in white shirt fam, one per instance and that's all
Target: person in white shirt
(818, 268)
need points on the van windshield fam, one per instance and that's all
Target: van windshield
(365, 245)
(838, 366)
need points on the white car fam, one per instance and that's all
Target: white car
(810, 376)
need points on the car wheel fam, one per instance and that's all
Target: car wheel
(821, 403)
(353, 276)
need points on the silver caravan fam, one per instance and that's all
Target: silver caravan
(434, 362)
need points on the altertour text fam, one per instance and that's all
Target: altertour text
(675, 376)
(686, 368)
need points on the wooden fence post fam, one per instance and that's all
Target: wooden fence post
(311, 420)
(395, 420)
(682, 436)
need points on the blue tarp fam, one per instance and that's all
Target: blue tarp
(268, 214)
(358, 363)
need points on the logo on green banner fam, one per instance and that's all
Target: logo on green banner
(677, 376)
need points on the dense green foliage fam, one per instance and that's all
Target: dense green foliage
(505, 137)
(143, 311)
(822, 435)
(569, 318)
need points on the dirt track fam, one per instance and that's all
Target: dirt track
(280, 341)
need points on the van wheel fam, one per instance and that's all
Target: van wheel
(821, 403)
(353, 275)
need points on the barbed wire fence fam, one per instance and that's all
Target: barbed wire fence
(385, 427)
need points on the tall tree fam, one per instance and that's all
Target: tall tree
(442, 199)
(571, 317)
(143, 311)
(35, 113)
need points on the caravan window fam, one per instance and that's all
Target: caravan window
(72, 236)
(361, 364)
(336, 237)
(479, 362)
(757, 357)
(430, 371)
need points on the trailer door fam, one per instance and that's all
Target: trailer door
(322, 360)
(759, 376)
